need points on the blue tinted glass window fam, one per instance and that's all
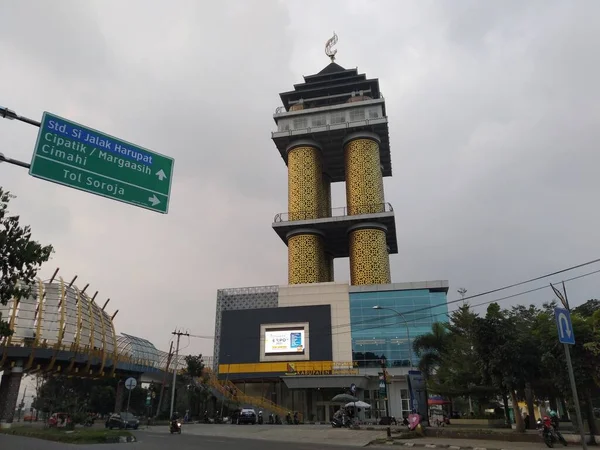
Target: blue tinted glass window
(378, 334)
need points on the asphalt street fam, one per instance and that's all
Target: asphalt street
(158, 441)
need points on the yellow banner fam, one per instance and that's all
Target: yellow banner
(293, 368)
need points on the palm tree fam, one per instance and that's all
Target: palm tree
(430, 348)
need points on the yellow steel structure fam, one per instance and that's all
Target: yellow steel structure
(231, 392)
(61, 318)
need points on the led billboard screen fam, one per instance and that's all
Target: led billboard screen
(284, 341)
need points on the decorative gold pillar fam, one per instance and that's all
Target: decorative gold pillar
(364, 181)
(369, 258)
(305, 184)
(306, 256)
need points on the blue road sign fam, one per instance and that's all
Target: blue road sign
(566, 335)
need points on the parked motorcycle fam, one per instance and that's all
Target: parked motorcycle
(341, 420)
(260, 418)
(175, 427)
(549, 433)
(271, 419)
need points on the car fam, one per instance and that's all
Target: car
(247, 415)
(122, 421)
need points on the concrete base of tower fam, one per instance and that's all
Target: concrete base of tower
(369, 257)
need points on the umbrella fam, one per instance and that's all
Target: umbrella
(359, 404)
(344, 398)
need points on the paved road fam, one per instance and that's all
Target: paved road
(307, 434)
(160, 441)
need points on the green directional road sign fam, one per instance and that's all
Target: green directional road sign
(82, 158)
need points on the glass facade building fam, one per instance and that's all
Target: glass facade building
(383, 333)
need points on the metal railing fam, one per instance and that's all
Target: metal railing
(119, 357)
(281, 109)
(292, 216)
(231, 392)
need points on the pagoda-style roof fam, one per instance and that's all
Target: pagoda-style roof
(332, 85)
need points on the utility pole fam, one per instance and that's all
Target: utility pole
(178, 334)
(162, 387)
(462, 292)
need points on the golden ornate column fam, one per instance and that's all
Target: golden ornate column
(306, 201)
(306, 256)
(364, 181)
(305, 184)
(369, 258)
(368, 250)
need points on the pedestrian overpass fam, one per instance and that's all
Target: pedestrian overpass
(60, 329)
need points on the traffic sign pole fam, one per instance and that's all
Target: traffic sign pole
(575, 397)
(566, 336)
(128, 400)
(83, 158)
(130, 385)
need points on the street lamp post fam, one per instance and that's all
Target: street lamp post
(399, 314)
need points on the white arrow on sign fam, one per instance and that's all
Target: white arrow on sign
(130, 383)
(564, 325)
(161, 174)
(154, 200)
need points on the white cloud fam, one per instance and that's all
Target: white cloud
(492, 110)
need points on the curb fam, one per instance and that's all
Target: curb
(442, 446)
(120, 439)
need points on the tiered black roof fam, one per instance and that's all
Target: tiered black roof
(332, 85)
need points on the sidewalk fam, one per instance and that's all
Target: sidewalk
(464, 444)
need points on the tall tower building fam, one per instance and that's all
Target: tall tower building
(333, 128)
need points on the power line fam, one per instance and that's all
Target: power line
(325, 332)
(496, 300)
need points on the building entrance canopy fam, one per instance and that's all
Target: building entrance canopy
(324, 382)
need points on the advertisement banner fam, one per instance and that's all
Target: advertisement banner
(284, 341)
(382, 386)
(418, 391)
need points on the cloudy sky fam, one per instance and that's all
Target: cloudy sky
(492, 107)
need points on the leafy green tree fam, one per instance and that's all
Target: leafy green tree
(588, 308)
(499, 349)
(102, 399)
(20, 258)
(192, 385)
(530, 354)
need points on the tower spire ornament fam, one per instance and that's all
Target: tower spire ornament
(329, 44)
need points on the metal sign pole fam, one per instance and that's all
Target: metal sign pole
(566, 336)
(575, 397)
(128, 399)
